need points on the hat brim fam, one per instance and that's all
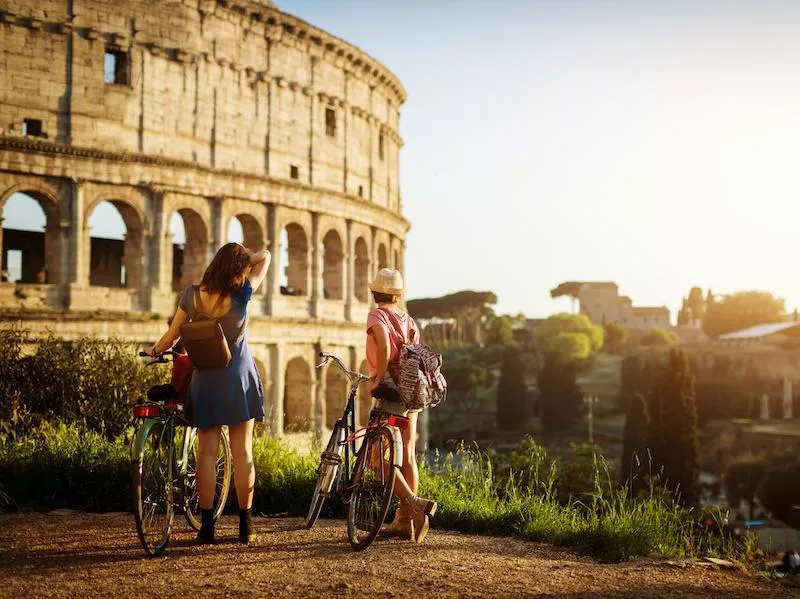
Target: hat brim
(386, 290)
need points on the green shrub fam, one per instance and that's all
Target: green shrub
(90, 381)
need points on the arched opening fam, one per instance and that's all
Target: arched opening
(297, 397)
(294, 254)
(244, 229)
(189, 248)
(116, 245)
(364, 397)
(361, 281)
(382, 257)
(31, 239)
(332, 270)
(336, 390)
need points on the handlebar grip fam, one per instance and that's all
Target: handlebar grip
(321, 355)
(144, 354)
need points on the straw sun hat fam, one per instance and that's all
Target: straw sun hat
(388, 281)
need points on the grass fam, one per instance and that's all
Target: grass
(66, 466)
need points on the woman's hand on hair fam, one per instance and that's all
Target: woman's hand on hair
(256, 257)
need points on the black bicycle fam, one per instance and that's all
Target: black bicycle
(163, 467)
(371, 455)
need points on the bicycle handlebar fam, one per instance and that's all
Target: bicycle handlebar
(354, 376)
(159, 359)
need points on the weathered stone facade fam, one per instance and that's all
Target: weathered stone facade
(213, 110)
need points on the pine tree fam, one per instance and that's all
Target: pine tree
(697, 306)
(634, 444)
(676, 444)
(559, 395)
(512, 394)
(684, 317)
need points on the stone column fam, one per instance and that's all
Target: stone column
(764, 412)
(218, 235)
(273, 282)
(317, 389)
(787, 398)
(350, 273)
(75, 260)
(316, 257)
(277, 376)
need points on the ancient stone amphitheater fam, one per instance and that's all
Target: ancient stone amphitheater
(214, 111)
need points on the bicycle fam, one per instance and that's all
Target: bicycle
(163, 468)
(367, 486)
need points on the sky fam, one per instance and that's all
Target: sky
(651, 143)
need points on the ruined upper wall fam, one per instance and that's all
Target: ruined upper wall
(227, 84)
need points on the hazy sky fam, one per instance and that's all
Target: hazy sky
(650, 143)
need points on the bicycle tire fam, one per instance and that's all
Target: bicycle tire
(371, 489)
(152, 491)
(326, 476)
(223, 483)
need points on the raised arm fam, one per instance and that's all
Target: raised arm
(259, 265)
(172, 335)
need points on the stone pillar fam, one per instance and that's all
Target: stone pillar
(75, 260)
(764, 411)
(787, 398)
(316, 257)
(317, 404)
(277, 380)
(218, 234)
(350, 273)
(273, 282)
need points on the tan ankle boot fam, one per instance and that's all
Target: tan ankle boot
(420, 510)
(402, 527)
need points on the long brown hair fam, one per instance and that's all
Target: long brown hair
(226, 272)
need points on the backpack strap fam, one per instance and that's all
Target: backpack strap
(198, 305)
(405, 339)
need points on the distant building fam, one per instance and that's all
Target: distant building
(601, 302)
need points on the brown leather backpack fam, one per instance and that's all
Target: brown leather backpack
(203, 337)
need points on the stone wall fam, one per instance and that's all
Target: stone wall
(211, 110)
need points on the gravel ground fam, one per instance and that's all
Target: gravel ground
(70, 554)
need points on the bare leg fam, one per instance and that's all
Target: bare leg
(410, 471)
(208, 447)
(244, 472)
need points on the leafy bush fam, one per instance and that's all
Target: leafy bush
(89, 381)
(658, 336)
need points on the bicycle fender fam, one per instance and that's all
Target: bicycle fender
(141, 437)
(398, 445)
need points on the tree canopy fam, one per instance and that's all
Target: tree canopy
(453, 305)
(658, 336)
(741, 310)
(569, 337)
(570, 288)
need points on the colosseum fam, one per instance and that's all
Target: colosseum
(217, 119)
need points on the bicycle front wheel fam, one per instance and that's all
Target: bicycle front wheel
(330, 460)
(371, 488)
(223, 478)
(152, 490)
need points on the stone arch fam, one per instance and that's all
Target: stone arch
(364, 401)
(361, 280)
(107, 259)
(297, 399)
(332, 266)
(189, 260)
(42, 264)
(336, 390)
(296, 271)
(252, 232)
(383, 258)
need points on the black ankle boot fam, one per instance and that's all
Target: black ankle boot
(206, 534)
(245, 525)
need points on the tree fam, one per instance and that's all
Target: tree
(569, 337)
(512, 394)
(633, 467)
(779, 491)
(615, 335)
(499, 330)
(658, 336)
(742, 479)
(741, 310)
(560, 397)
(673, 429)
(684, 314)
(466, 308)
(696, 304)
(467, 372)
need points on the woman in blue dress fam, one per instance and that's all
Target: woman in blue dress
(231, 396)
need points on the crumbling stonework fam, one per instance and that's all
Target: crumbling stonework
(214, 110)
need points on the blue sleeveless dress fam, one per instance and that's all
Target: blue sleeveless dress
(232, 394)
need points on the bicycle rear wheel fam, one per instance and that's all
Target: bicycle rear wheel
(371, 488)
(223, 478)
(152, 491)
(330, 460)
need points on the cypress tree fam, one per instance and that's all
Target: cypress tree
(560, 397)
(512, 394)
(634, 463)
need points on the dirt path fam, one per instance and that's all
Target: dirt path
(77, 555)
